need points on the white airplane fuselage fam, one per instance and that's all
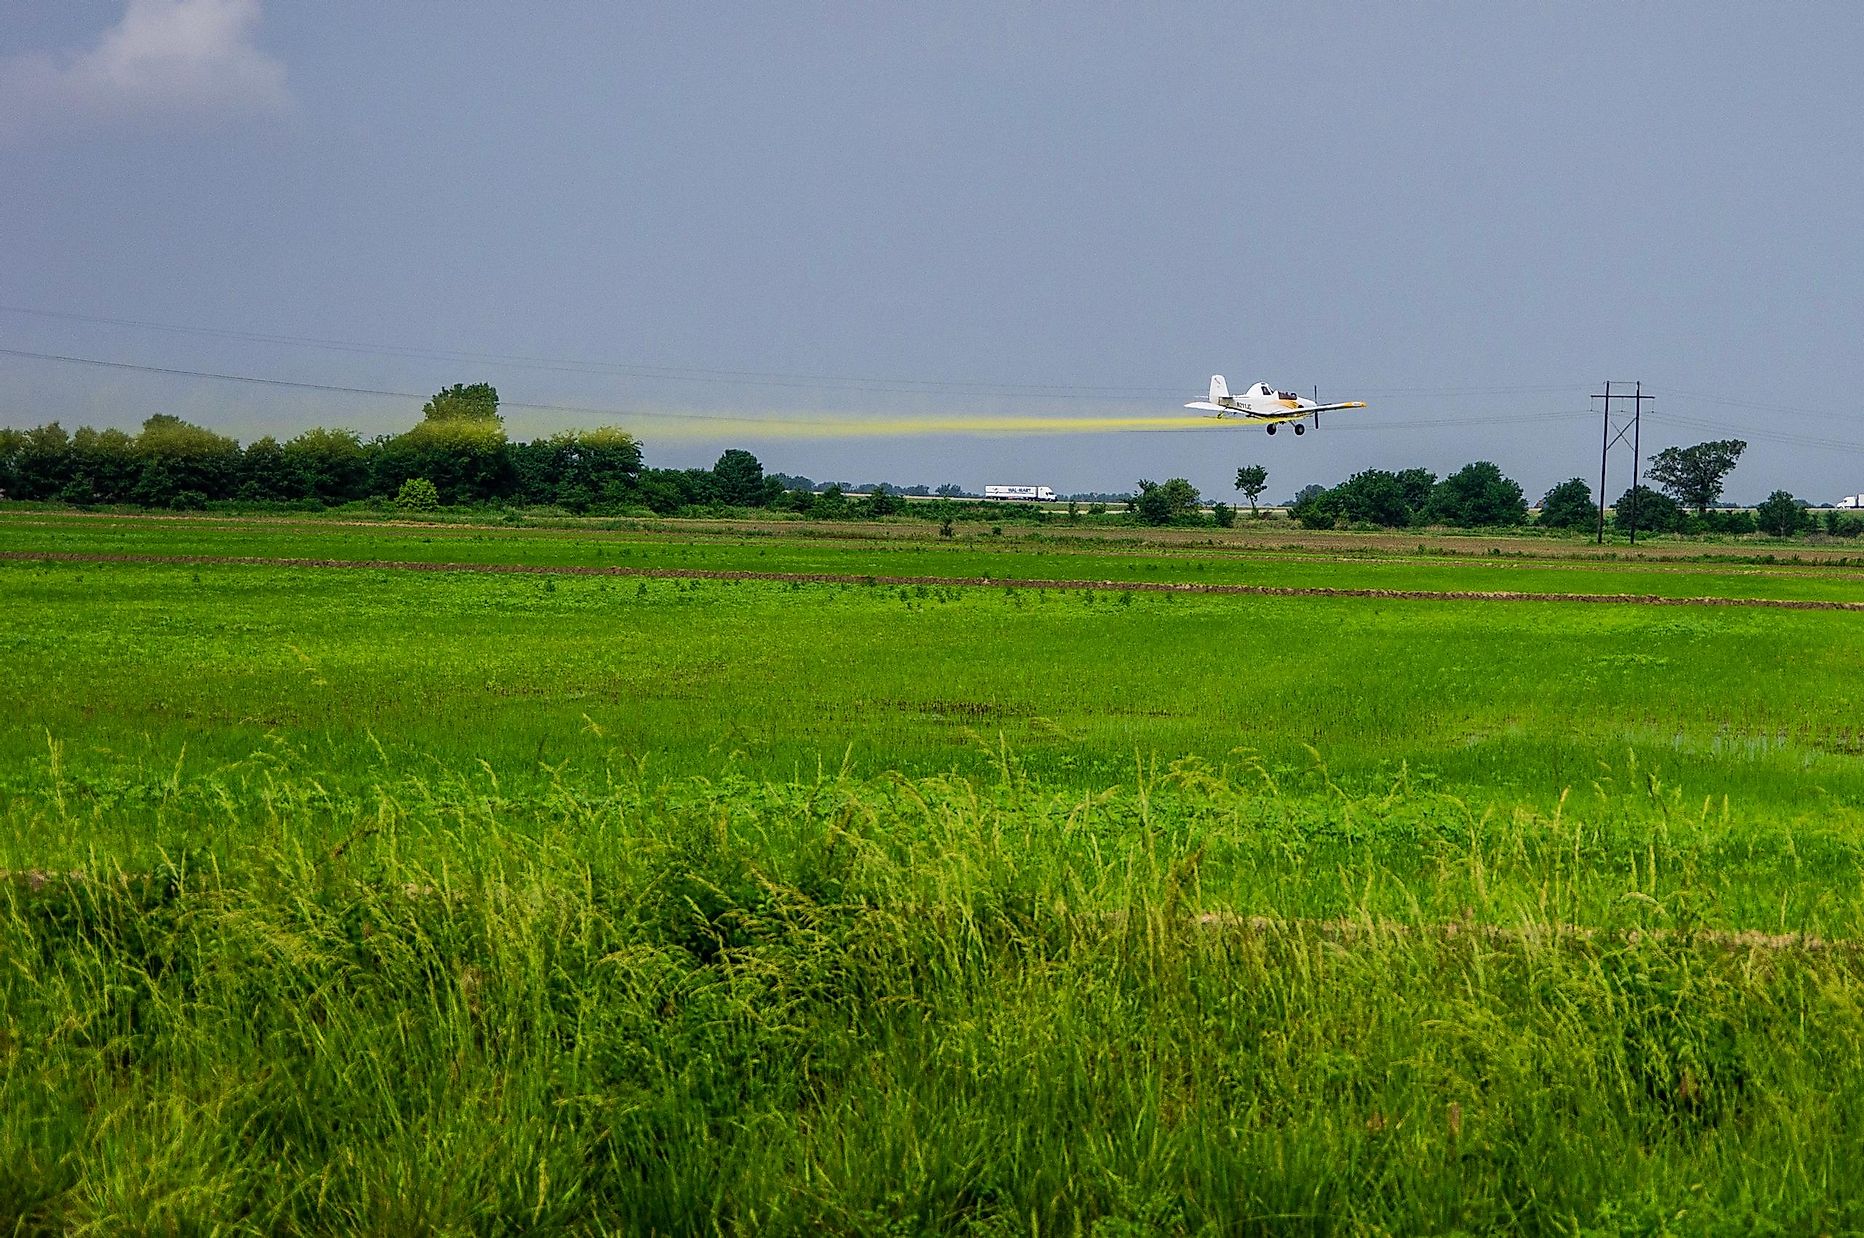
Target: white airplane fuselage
(1264, 405)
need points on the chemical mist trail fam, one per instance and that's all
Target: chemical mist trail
(670, 425)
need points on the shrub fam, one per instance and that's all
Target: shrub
(1316, 507)
(1164, 502)
(830, 504)
(417, 494)
(1735, 520)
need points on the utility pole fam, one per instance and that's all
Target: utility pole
(1632, 425)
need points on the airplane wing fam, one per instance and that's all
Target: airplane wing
(1263, 419)
(1243, 416)
(1328, 408)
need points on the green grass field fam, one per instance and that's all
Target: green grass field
(374, 899)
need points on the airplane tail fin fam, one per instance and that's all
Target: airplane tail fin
(1219, 390)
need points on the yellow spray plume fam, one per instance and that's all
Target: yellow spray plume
(666, 426)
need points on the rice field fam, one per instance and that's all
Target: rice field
(383, 900)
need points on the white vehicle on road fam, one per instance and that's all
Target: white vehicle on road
(1026, 494)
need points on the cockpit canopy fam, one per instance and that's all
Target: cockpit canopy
(1266, 390)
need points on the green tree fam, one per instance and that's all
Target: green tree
(1476, 496)
(1693, 476)
(467, 459)
(1569, 506)
(1417, 485)
(1315, 507)
(183, 465)
(1224, 515)
(1372, 497)
(661, 492)
(332, 465)
(266, 474)
(477, 403)
(11, 441)
(741, 481)
(1252, 480)
(1161, 503)
(104, 466)
(578, 469)
(1780, 515)
(42, 462)
(699, 486)
(883, 502)
(1647, 511)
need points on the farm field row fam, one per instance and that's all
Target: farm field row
(1272, 535)
(382, 900)
(1505, 702)
(1006, 558)
(923, 1005)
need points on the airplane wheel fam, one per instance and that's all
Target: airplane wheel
(1300, 429)
(1271, 429)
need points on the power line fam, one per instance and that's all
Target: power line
(1410, 423)
(1763, 433)
(333, 387)
(1724, 401)
(852, 384)
(749, 423)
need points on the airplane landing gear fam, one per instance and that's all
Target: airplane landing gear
(1299, 428)
(1270, 429)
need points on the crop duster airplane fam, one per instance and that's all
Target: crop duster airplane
(1264, 406)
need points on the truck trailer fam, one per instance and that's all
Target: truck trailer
(1024, 494)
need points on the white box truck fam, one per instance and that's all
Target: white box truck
(1026, 494)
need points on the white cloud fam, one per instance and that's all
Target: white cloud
(166, 59)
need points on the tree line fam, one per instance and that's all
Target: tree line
(459, 454)
(1690, 482)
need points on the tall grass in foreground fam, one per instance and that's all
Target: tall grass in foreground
(926, 1005)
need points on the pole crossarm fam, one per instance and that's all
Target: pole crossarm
(1631, 425)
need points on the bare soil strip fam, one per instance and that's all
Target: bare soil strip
(962, 582)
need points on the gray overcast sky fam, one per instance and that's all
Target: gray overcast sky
(1458, 212)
